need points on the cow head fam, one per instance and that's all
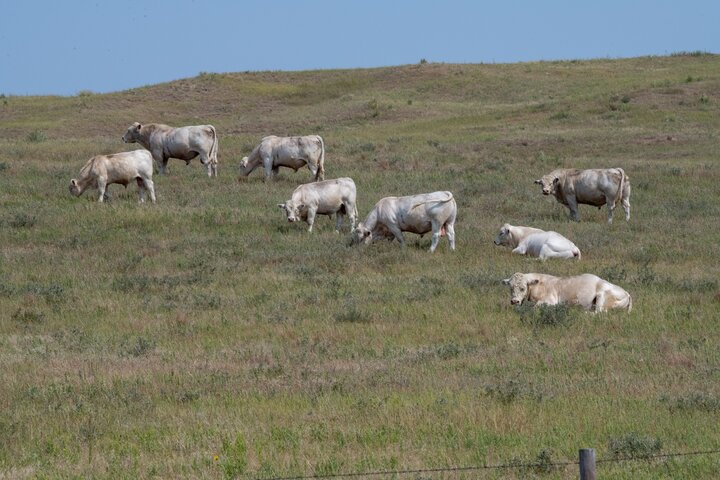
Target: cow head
(132, 134)
(519, 287)
(75, 188)
(292, 210)
(548, 184)
(503, 236)
(362, 234)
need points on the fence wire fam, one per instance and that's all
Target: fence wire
(513, 465)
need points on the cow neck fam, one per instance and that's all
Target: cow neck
(371, 220)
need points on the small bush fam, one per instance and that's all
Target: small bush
(544, 462)
(699, 401)
(704, 99)
(3, 166)
(634, 445)
(23, 220)
(351, 314)
(28, 317)
(85, 93)
(563, 115)
(511, 390)
(423, 61)
(140, 347)
(36, 136)
(234, 456)
(546, 315)
(448, 351)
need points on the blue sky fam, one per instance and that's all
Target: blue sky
(63, 47)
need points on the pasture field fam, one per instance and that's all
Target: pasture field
(205, 337)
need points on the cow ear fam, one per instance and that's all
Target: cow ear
(139, 127)
(73, 182)
(506, 281)
(534, 281)
(538, 182)
(281, 205)
(556, 180)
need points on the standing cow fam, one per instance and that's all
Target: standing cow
(419, 214)
(184, 143)
(597, 187)
(292, 152)
(536, 243)
(323, 198)
(589, 291)
(102, 170)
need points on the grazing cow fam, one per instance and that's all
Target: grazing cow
(589, 291)
(596, 187)
(102, 170)
(416, 213)
(293, 152)
(536, 242)
(184, 143)
(323, 198)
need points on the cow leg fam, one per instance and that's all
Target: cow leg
(599, 303)
(610, 207)
(350, 209)
(397, 233)
(435, 236)
(102, 186)
(338, 221)
(150, 186)
(626, 207)
(310, 218)
(450, 232)
(573, 206)
(141, 189)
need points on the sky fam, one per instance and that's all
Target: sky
(65, 47)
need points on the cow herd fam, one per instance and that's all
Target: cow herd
(391, 216)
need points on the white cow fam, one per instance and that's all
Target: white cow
(184, 143)
(588, 291)
(292, 152)
(102, 170)
(420, 214)
(536, 242)
(596, 187)
(323, 198)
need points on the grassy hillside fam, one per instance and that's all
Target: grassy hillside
(204, 336)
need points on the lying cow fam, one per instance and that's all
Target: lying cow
(596, 187)
(589, 291)
(102, 170)
(536, 242)
(322, 198)
(184, 143)
(416, 213)
(292, 152)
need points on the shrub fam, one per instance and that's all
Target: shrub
(634, 445)
(234, 457)
(693, 401)
(23, 220)
(546, 315)
(36, 136)
(85, 93)
(423, 61)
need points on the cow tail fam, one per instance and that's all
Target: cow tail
(214, 148)
(320, 174)
(618, 197)
(629, 305)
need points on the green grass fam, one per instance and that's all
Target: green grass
(144, 340)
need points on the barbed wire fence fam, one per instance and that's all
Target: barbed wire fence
(586, 456)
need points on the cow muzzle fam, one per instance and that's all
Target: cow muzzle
(515, 301)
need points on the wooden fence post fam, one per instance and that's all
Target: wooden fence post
(587, 464)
